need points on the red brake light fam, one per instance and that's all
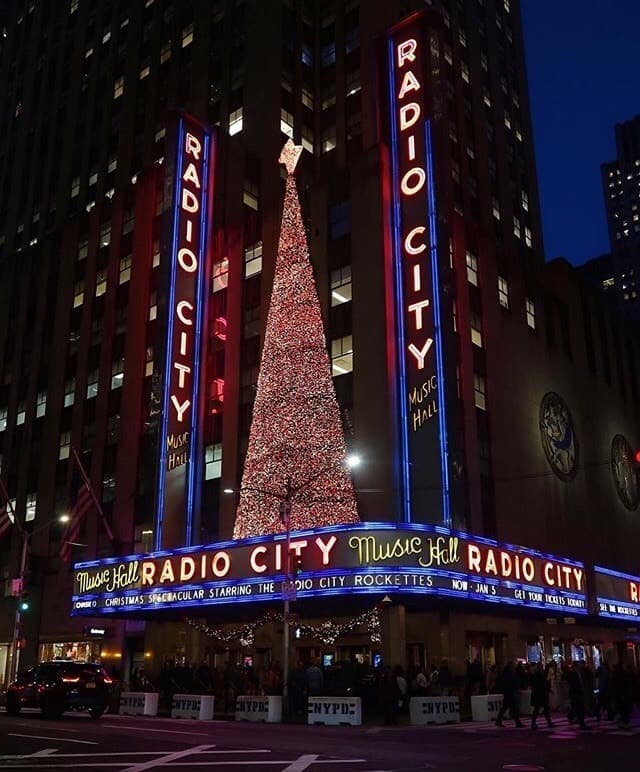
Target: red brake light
(107, 680)
(70, 679)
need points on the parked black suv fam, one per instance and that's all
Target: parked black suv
(61, 685)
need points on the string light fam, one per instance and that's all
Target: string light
(327, 631)
(296, 445)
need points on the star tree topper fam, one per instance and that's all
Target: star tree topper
(290, 155)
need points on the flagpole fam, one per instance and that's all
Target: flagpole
(87, 482)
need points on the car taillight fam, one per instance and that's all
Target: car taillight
(70, 679)
(107, 680)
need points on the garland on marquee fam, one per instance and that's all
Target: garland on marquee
(327, 631)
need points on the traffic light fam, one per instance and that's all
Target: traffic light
(24, 604)
(298, 568)
(638, 456)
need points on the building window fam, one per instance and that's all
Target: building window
(187, 36)
(101, 282)
(165, 52)
(517, 232)
(503, 292)
(153, 306)
(339, 220)
(213, 461)
(472, 269)
(221, 274)
(30, 507)
(155, 262)
(65, 445)
(496, 207)
(148, 365)
(75, 186)
(528, 238)
(105, 234)
(69, 392)
(118, 87)
(342, 355)
(117, 373)
(92, 384)
(307, 97)
(125, 269)
(476, 329)
(250, 195)
(129, 221)
(341, 286)
(4, 413)
(328, 139)
(479, 391)
(235, 122)
(530, 308)
(253, 260)
(41, 404)
(78, 293)
(286, 123)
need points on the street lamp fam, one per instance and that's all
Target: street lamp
(23, 605)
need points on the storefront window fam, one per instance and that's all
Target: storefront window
(82, 651)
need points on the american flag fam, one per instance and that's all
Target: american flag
(84, 502)
(5, 519)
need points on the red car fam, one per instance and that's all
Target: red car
(56, 687)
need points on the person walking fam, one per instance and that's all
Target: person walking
(540, 688)
(576, 695)
(314, 679)
(509, 687)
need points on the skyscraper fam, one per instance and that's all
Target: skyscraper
(621, 186)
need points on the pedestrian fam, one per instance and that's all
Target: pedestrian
(603, 705)
(401, 681)
(623, 690)
(314, 679)
(445, 679)
(540, 688)
(297, 689)
(420, 685)
(389, 695)
(576, 694)
(509, 687)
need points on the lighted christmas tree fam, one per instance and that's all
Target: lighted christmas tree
(296, 448)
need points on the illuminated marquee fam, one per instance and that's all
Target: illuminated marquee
(185, 312)
(351, 559)
(420, 382)
(617, 594)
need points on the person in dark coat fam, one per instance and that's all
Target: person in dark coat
(623, 690)
(390, 696)
(603, 705)
(510, 688)
(573, 678)
(540, 694)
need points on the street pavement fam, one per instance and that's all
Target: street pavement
(131, 744)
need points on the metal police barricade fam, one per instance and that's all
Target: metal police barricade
(139, 703)
(485, 707)
(434, 710)
(334, 710)
(198, 706)
(253, 707)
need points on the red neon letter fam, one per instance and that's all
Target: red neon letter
(192, 146)
(189, 202)
(180, 408)
(221, 557)
(420, 354)
(180, 313)
(411, 190)
(191, 175)
(409, 83)
(257, 567)
(406, 51)
(188, 261)
(408, 246)
(417, 307)
(407, 122)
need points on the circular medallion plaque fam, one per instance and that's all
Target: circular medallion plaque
(558, 437)
(625, 472)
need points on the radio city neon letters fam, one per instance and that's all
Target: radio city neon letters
(412, 181)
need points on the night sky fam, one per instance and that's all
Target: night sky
(583, 60)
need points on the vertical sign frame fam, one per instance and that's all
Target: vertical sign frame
(178, 462)
(419, 371)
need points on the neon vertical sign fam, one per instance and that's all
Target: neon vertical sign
(419, 366)
(185, 310)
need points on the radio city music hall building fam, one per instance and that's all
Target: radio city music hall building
(492, 397)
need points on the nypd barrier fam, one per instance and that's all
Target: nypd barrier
(485, 707)
(139, 703)
(334, 710)
(434, 710)
(252, 707)
(198, 706)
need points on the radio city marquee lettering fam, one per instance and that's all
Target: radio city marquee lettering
(367, 558)
(415, 258)
(617, 594)
(185, 314)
